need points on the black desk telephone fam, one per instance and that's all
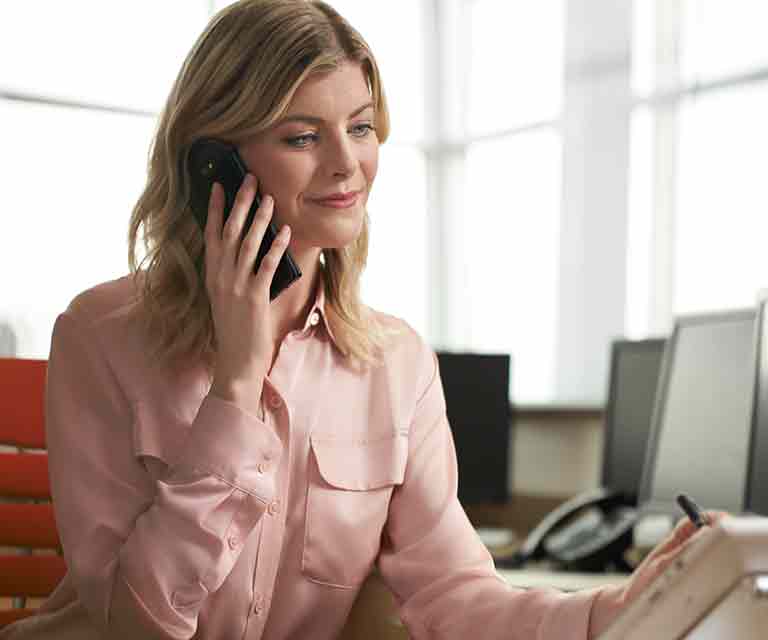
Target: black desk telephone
(588, 533)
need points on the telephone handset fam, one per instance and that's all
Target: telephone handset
(210, 161)
(590, 532)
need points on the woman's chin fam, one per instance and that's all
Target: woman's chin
(335, 240)
(340, 242)
(328, 231)
(343, 234)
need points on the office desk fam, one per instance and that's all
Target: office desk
(536, 578)
(374, 617)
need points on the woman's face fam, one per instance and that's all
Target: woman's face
(319, 160)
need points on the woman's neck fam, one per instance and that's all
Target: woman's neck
(289, 310)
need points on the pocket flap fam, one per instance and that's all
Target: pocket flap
(361, 465)
(157, 434)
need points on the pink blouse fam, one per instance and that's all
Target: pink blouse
(183, 516)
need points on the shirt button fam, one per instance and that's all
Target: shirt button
(258, 604)
(262, 468)
(233, 542)
(274, 508)
(275, 401)
(314, 318)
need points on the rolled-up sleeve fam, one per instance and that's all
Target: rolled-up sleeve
(440, 573)
(142, 554)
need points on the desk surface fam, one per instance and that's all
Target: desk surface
(532, 578)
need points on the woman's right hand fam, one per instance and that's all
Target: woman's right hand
(239, 298)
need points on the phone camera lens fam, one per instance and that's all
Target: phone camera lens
(208, 168)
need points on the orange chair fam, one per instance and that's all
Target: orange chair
(26, 514)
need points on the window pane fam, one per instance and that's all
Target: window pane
(640, 224)
(720, 37)
(511, 255)
(71, 188)
(117, 53)
(395, 280)
(515, 52)
(722, 208)
(396, 38)
(643, 46)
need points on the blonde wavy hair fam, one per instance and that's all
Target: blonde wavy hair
(237, 80)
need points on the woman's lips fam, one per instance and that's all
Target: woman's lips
(338, 201)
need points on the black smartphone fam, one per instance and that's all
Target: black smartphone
(210, 161)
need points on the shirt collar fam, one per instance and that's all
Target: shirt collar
(317, 314)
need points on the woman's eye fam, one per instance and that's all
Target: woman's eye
(362, 130)
(302, 140)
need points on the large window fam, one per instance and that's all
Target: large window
(502, 141)
(699, 147)
(512, 221)
(559, 173)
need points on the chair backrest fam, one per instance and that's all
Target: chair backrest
(26, 514)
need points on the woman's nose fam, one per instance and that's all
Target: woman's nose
(341, 157)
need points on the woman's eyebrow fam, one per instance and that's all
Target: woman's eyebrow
(300, 117)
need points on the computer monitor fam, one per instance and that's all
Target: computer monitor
(757, 473)
(476, 388)
(701, 434)
(632, 382)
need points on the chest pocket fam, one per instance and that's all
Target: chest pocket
(350, 484)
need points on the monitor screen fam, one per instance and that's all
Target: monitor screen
(700, 438)
(476, 390)
(633, 378)
(757, 490)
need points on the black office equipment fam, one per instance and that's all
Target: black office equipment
(592, 531)
(476, 388)
(757, 471)
(702, 425)
(633, 380)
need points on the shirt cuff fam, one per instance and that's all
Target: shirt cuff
(570, 617)
(232, 444)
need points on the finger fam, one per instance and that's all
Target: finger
(683, 533)
(713, 517)
(661, 560)
(268, 265)
(233, 227)
(212, 231)
(252, 241)
(657, 563)
(683, 529)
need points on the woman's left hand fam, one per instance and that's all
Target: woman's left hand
(612, 600)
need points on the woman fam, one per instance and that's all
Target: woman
(227, 467)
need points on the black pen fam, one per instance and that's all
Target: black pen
(692, 510)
